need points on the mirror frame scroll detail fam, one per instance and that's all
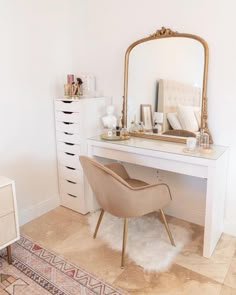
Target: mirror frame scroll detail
(160, 34)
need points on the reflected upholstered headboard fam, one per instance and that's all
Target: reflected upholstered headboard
(174, 93)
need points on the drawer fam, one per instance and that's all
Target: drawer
(68, 137)
(69, 160)
(70, 173)
(7, 228)
(74, 189)
(68, 105)
(66, 116)
(75, 203)
(69, 147)
(6, 200)
(68, 127)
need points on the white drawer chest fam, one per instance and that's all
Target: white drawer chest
(76, 120)
(9, 226)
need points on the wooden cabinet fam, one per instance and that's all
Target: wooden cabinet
(9, 227)
(76, 120)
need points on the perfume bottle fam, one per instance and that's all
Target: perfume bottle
(204, 141)
(201, 138)
(140, 126)
(124, 133)
(117, 131)
(155, 127)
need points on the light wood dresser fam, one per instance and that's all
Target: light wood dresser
(9, 226)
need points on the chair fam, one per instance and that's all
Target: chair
(123, 196)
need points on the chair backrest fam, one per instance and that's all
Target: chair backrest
(117, 197)
(110, 189)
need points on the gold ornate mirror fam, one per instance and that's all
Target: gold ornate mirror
(165, 83)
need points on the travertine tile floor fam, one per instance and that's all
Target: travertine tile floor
(67, 233)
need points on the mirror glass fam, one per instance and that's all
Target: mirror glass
(165, 79)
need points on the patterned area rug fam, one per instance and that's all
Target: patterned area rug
(37, 271)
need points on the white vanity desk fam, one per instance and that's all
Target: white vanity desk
(170, 157)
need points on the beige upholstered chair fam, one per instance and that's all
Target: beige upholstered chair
(123, 196)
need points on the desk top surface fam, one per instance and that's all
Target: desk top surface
(163, 146)
(5, 181)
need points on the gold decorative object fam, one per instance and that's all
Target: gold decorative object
(114, 137)
(163, 32)
(159, 34)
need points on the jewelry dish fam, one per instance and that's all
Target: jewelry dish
(114, 137)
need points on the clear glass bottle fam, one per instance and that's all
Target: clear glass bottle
(205, 141)
(201, 138)
(124, 133)
(67, 90)
(140, 126)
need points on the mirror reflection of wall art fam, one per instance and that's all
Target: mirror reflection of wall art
(146, 116)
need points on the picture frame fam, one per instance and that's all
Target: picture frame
(146, 116)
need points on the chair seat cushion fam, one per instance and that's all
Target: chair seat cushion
(135, 182)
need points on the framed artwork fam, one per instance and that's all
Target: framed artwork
(146, 116)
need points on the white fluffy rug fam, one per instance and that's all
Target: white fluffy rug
(147, 245)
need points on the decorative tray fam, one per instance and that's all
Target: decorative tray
(198, 151)
(185, 150)
(117, 138)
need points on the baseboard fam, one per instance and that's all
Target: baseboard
(230, 228)
(39, 209)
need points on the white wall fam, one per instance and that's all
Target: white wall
(114, 25)
(39, 46)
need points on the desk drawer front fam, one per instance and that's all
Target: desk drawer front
(7, 228)
(69, 147)
(67, 105)
(6, 200)
(68, 137)
(70, 160)
(68, 127)
(66, 116)
(73, 189)
(77, 204)
(69, 173)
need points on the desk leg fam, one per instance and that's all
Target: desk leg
(215, 202)
(9, 257)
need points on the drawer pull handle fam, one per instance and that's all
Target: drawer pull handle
(70, 181)
(68, 143)
(67, 123)
(72, 195)
(69, 154)
(68, 133)
(68, 113)
(70, 168)
(65, 101)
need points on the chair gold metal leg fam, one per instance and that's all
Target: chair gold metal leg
(124, 242)
(98, 223)
(167, 227)
(9, 257)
